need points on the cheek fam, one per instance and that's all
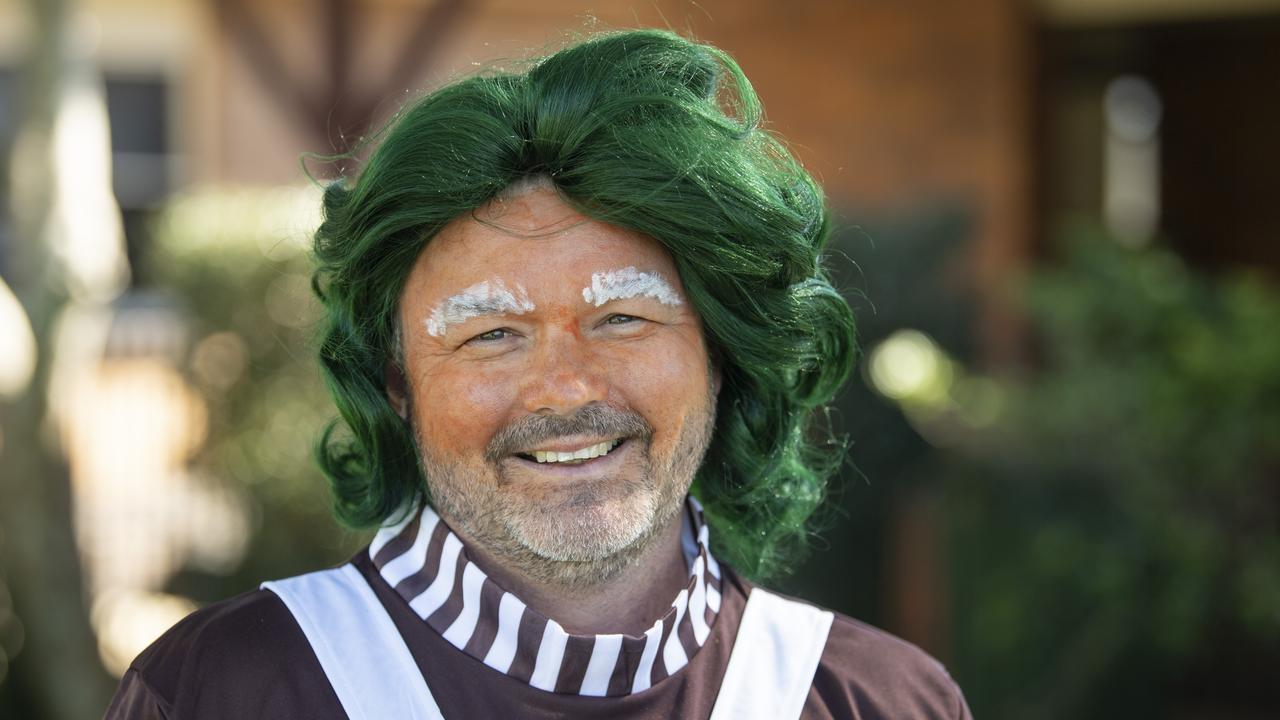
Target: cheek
(459, 413)
(665, 384)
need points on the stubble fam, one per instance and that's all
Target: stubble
(583, 536)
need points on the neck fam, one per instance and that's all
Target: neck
(627, 603)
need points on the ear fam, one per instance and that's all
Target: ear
(397, 389)
(714, 363)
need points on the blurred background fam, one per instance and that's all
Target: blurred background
(1056, 221)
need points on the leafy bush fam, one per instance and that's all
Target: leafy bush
(1116, 535)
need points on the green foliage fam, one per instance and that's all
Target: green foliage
(1122, 520)
(237, 261)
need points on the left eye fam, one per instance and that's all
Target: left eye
(621, 319)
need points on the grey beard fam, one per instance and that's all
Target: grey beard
(496, 527)
(485, 527)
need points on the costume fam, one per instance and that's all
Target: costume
(430, 613)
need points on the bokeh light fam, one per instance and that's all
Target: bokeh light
(128, 621)
(18, 351)
(910, 366)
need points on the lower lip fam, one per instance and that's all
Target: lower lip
(592, 467)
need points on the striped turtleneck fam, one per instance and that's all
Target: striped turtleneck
(427, 565)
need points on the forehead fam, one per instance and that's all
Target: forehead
(533, 238)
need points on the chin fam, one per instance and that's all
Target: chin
(571, 534)
(591, 524)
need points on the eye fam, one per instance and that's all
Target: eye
(491, 336)
(621, 319)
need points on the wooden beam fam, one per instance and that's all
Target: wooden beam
(334, 113)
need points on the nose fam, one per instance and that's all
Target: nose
(563, 376)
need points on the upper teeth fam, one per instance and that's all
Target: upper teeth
(586, 453)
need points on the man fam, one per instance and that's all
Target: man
(556, 302)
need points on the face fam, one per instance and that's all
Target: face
(532, 335)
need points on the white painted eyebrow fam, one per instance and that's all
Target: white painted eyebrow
(490, 297)
(629, 282)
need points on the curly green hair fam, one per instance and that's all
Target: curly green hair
(645, 130)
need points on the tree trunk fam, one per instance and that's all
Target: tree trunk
(56, 673)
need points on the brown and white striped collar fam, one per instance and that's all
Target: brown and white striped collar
(427, 565)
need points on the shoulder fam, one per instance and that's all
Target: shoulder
(246, 632)
(869, 674)
(873, 674)
(246, 652)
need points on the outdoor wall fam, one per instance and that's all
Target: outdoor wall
(889, 104)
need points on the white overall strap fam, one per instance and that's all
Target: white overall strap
(362, 653)
(774, 659)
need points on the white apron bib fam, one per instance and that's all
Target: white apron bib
(364, 657)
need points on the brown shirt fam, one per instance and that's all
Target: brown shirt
(247, 658)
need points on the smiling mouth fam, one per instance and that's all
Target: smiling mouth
(574, 457)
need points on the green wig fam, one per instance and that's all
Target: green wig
(647, 131)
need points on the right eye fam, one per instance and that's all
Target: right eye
(491, 336)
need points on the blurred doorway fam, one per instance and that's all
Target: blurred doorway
(1218, 149)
